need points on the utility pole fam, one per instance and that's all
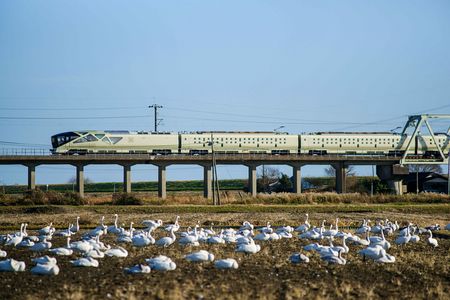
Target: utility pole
(216, 200)
(417, 181)
(155, 107)
(448, 172)
(371, 182)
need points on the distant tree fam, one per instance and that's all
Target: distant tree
(266, 176)
(74, 180)
(425, 168)
(285, 184)
(331, 172)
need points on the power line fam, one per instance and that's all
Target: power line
(71, 118)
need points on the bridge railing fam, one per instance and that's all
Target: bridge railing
(244, 156)
(24, 152)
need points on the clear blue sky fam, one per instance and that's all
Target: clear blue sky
(216, 65)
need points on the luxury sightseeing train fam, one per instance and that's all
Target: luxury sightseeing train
(198, 143)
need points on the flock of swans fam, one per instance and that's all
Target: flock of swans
(89, 248)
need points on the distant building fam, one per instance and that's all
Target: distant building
(428, 182)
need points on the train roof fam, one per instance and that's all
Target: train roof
(338, 133)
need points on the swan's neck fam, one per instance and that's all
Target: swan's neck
(115, 221)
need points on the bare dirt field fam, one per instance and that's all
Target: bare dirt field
(420, 272)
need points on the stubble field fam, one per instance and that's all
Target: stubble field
(420, 272)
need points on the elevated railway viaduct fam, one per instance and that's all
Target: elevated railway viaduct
(388, 168)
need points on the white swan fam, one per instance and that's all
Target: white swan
(95, 253)
(45, 269)
(298, 258)
(142, 240)
(312, 247)
(227, 263)
(14, 240)
(85, 262)
(403, 239)
(372, 252)
(42, 246)
(246, 225)
(65, 232)
(138, 269)
(191, 239)
(305, 226)
(385, 258)
(12, 265)
(344, 248)
(364, 227)
(63, 251)
(375, 240)
(44, 260)
(167, 240)
(414, 237)
(47, 230)
(250, 248)
(25, 243)
(161, 263)
(199, 256)
(430, 240)
(263, 236)
(333, 259)
(117, 252)
(152, 224)
(288, 229)
(76, 228)
(174, 226)
(218, 239)
(3, 253)
(81, 246)
(283, 235)
(114, 229)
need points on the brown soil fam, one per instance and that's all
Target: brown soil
(420, 272)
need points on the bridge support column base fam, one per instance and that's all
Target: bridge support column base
(80, 180)
(252, 186)
(396, 186)
(127, 178)
(341, 174)
(297, 176)
(207, 182)
(162, 192)
(31, 177)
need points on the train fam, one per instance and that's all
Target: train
(275, 143)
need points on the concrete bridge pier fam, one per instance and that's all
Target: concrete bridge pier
(297, 176)
(31, 176)
(341, 176)
(252, 184)
(126, 178)
(207, 181)
(162, 187)
(393, 175)
(80, 180)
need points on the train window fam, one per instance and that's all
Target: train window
(106, 140)
(99, 136)
(115, 139)
(85, 139)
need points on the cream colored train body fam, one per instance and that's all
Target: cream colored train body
(198, 143)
